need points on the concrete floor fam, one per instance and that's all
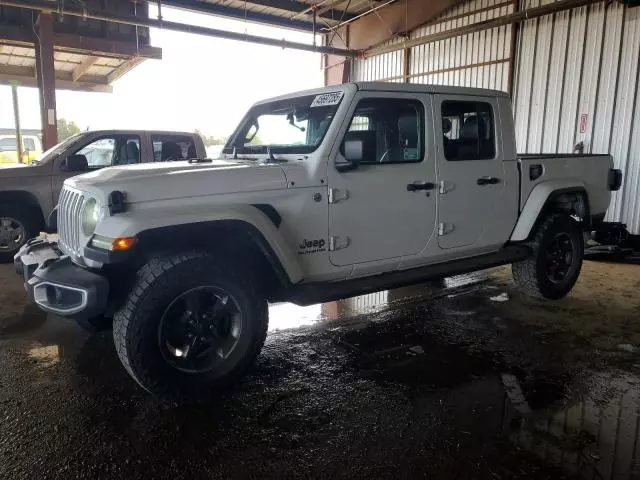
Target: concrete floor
(463, 379)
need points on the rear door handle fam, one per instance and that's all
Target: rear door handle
(413, 187)
(488, 181)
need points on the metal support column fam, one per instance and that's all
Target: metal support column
(406, 70)
(46, 79)
(16, 116)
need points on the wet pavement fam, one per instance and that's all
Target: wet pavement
(462, 379)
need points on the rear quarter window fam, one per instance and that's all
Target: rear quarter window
(168, 148)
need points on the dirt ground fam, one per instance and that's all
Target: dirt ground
(460, 379)
(603, 309)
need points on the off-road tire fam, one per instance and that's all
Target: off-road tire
(530, 274)
(27, 220)
(136, 324)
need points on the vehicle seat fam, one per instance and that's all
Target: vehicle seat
(388, 139)
(472, 135)
(170, 151)
(130, 154)
(407, 144)
(446, 128)
(191, 152)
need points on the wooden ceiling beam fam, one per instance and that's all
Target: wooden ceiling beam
(83, 68)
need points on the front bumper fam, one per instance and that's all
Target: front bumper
(56, 284)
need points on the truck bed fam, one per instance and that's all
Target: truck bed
(588, 170)
(550, 156)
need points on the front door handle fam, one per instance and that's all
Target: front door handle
(488, 181)
(413, 187)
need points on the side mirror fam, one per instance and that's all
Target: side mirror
(353, 153)
(75, 163)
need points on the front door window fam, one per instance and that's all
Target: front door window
(109, 151)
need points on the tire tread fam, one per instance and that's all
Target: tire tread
(525, 272)
(151, 279)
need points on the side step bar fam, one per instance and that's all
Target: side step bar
(310, 293)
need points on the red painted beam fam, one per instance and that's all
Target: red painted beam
(46, 79)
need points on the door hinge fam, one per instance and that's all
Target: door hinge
(445, 228)
(336, 195)
(338, 243)
(445, 187)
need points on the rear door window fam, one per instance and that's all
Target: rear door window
(168, 148)
(468, 129)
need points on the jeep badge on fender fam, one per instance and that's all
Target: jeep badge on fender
(311, 246)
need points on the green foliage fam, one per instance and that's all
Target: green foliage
(256, 141)
(66, 129)
(210, 140)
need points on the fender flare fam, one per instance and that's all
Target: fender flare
(537, 201)
(23, 198)
(143, 218)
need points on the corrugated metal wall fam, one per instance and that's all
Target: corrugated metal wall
(476, 60)
(577, 81)
(388, 67)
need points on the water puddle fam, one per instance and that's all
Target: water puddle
(285, 316)
(595, 437)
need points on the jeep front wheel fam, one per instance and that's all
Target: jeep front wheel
(191, 323)
(556, 259)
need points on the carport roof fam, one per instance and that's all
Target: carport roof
(296, 14)
(74, 71)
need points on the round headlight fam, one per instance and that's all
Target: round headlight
(90, 214)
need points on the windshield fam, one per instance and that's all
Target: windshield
(57, 149)
(295, 125)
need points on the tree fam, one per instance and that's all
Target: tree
(66, 129)
(210, 139)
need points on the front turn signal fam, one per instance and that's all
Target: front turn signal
(123, 243)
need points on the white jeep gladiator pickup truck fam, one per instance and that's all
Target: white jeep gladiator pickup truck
(318, 195)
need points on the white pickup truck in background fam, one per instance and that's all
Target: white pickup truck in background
(318, 195)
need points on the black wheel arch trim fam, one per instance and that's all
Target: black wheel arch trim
(270, 212)
(551, 198)
(254, 234)
(8, 197)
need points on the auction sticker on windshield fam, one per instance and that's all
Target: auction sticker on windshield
(327, 99)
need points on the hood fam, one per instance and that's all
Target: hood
(161, 181)
(15, 170)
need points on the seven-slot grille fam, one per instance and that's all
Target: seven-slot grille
(69, 220)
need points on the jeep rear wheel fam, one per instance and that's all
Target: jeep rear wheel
(191, 323)
(556, 260)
